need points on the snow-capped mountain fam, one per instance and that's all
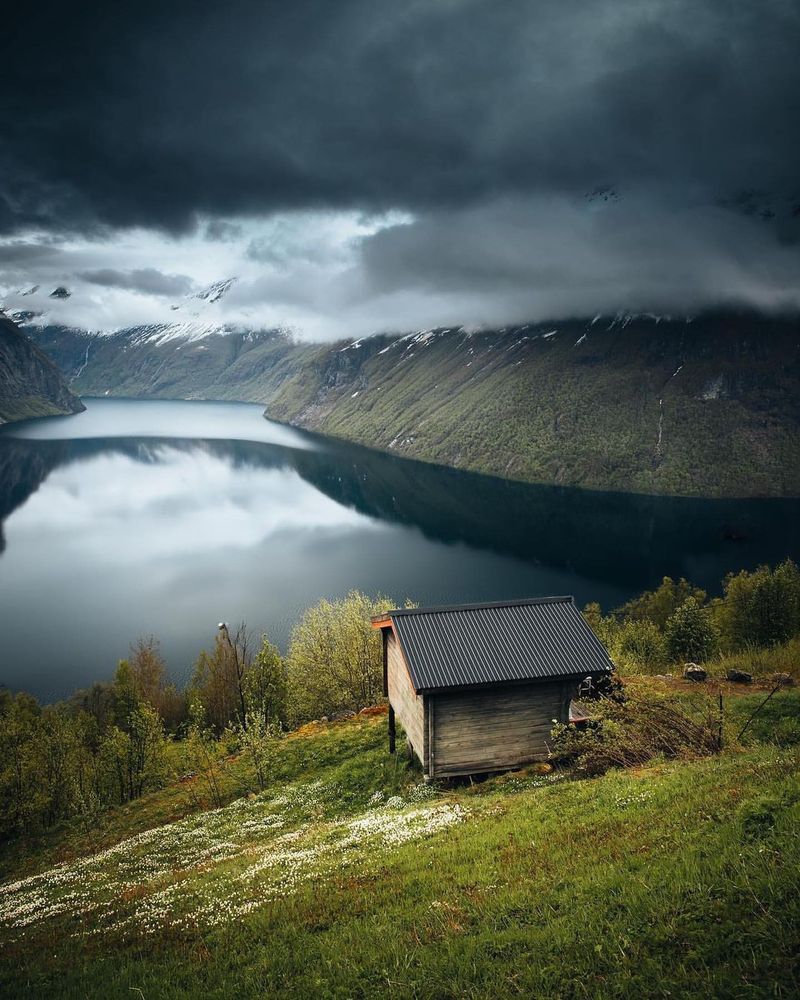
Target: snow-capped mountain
(215, 291)
(199, 315)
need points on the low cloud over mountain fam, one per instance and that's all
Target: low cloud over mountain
(367, 165)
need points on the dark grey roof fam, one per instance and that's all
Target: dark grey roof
(475, 644)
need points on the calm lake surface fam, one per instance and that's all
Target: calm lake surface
(164, 518)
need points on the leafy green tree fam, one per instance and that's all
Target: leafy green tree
(215, 686)
(97, 701)
(660, 604)
(142, 677)
(21, 795)
(690, 633)
(605, 627)
(113, 755)
(761, 608)
(124, 693)
(134, 758)
(266, 685)
(641, 643)
(335, 657)
(47, 767)
(204, 751)
(260, 742)
(57, 752)
(222, 679)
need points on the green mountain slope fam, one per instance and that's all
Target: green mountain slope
(30, 384)
(346, 877)
(243, 366)
(709, 407)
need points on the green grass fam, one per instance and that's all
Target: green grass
(352, 757)
(348, 878)
(783, 658)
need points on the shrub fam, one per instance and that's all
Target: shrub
(640, 643)
(761, 608)
(266, 685)
(335, 657)
(605, 627)
(659, 605)
(259, 741)
(690, 633)
(629, 733)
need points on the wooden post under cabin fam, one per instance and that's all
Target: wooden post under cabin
(391, 730)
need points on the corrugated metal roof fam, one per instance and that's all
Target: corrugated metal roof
(475, 644)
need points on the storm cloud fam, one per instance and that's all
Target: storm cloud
(481, 136)
(147, 280)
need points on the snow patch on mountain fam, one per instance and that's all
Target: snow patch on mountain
(215, 291)
(190, 331)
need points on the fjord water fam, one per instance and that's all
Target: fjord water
(164, 518)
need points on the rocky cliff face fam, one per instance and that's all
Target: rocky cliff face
(30, 384)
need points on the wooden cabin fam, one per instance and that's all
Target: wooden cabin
(476, 687)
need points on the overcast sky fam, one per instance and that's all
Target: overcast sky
(362, 165)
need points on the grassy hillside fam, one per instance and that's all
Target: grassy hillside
(347, 877)
(709, 407)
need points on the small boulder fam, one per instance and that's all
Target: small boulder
(339, 716)
(784, 680)
(739, 677)
(693, 672)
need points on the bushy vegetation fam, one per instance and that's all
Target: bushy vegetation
(334, 660)
(56, 762)
(632, 730)
(761, 609)
(117, 741)
(754, 626)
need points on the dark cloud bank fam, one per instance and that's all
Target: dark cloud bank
(497, 126)
(147, 280)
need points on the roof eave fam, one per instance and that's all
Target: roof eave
(438, 608)
(517, 681)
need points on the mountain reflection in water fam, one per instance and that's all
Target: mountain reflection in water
(106, 539)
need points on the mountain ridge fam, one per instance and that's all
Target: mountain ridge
(637, 402)
(705, 406)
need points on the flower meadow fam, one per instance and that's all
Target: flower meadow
(217, 866)
(348, 877)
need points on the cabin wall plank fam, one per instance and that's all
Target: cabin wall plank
(407, 704)
(496, 728)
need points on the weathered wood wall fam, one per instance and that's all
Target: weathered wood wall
(494, 728)
(407, 704)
